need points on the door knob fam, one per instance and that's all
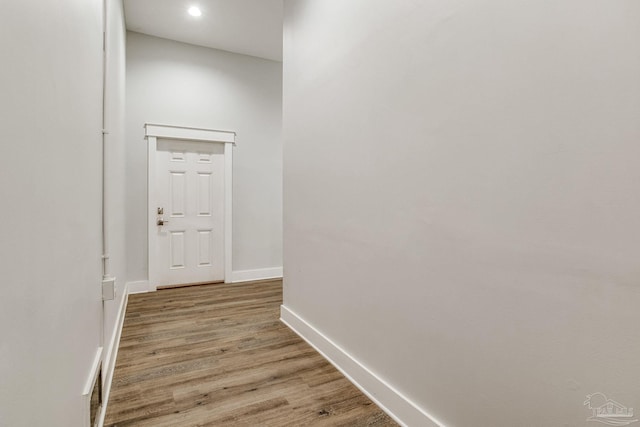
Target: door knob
(161, 222)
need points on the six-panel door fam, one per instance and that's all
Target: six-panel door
(190, 212)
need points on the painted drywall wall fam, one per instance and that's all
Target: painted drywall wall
(50, 119)
(115, 166)
(179, 84)
(462, 195)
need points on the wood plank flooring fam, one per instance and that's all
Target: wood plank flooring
(218, 355)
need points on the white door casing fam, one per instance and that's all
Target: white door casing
(190, 177)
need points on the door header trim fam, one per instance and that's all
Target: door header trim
(189, 133)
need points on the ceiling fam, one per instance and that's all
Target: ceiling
(250, 27)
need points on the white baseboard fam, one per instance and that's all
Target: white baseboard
(139, 287)
(88, 388)
(399, 407)
(109, 364)
(259, 274)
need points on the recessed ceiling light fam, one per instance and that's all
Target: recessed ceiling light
(194, 11)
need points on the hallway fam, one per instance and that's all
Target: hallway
(449, 192)
(219, 355)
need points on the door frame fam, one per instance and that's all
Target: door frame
(153, 132)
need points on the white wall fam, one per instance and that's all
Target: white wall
(115, 166)
(50, 119)
(462, 195)
(180, 84)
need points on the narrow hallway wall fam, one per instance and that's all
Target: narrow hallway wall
(115, 172)
(462, 195)
(50, 118)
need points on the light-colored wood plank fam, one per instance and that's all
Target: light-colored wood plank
(218, 355)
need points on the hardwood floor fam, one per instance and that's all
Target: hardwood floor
(218, 355)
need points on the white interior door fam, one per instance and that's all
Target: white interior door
(190, 212)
